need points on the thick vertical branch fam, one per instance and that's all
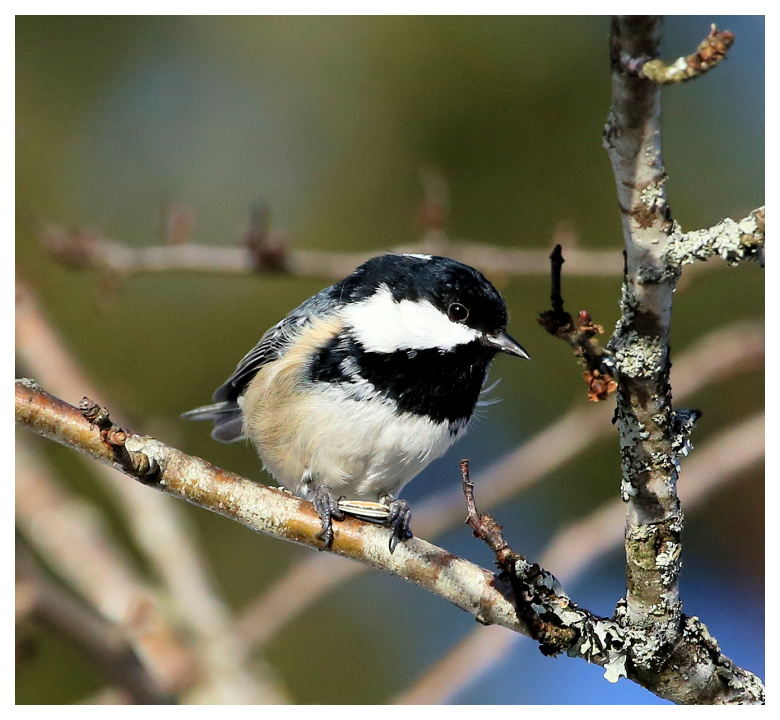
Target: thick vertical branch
(669, 652)
(641, 340)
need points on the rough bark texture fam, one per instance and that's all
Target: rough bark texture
(491, 599)
(671, 654)
(268, 510)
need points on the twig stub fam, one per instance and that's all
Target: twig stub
(268, 250)
(710, 52)
(530, 584)
(137, 464)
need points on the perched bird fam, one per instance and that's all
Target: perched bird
(362, 386)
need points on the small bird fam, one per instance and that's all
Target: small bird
(364, 384)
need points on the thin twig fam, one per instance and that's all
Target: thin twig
(533, 588)
(711, 51)
(597, 361)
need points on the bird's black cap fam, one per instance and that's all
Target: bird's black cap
(439, 280)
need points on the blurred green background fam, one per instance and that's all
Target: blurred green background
(330, 121)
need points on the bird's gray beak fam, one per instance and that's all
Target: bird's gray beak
(503, 343)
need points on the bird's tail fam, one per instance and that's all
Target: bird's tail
(226, 416)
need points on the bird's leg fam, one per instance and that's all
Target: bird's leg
(327, 506)
(398, 520)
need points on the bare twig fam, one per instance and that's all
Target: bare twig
(157, 525)
(598, 361)
(535, 591)
(82, 249)
(711, 51)
(80, 623)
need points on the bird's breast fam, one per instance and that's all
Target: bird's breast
(363, 423)
(443, 385)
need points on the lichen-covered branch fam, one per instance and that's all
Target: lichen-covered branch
(717, 357)
(733, 241)
(664, 647)
(488, 597)
(552, 619)
(574, 549)
(640, 344)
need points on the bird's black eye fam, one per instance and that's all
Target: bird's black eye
(457, 312)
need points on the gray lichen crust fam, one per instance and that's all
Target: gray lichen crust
(733, 241)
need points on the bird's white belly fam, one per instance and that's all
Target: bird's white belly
(361, 448)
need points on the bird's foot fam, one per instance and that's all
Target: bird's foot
(327, 506)
(398, 520)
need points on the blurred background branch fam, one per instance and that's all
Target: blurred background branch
(156, 526)
(38, 599)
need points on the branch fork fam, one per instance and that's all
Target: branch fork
(551, 617)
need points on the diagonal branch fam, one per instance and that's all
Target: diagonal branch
(263, 509)
(487, 596)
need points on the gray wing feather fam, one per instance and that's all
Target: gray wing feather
(226, 411)
(273, 345)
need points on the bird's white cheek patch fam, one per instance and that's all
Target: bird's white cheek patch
(383, 325)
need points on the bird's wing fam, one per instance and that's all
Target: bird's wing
(274, 343)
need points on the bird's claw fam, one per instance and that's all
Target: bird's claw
(327, 506)
(398, 520)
